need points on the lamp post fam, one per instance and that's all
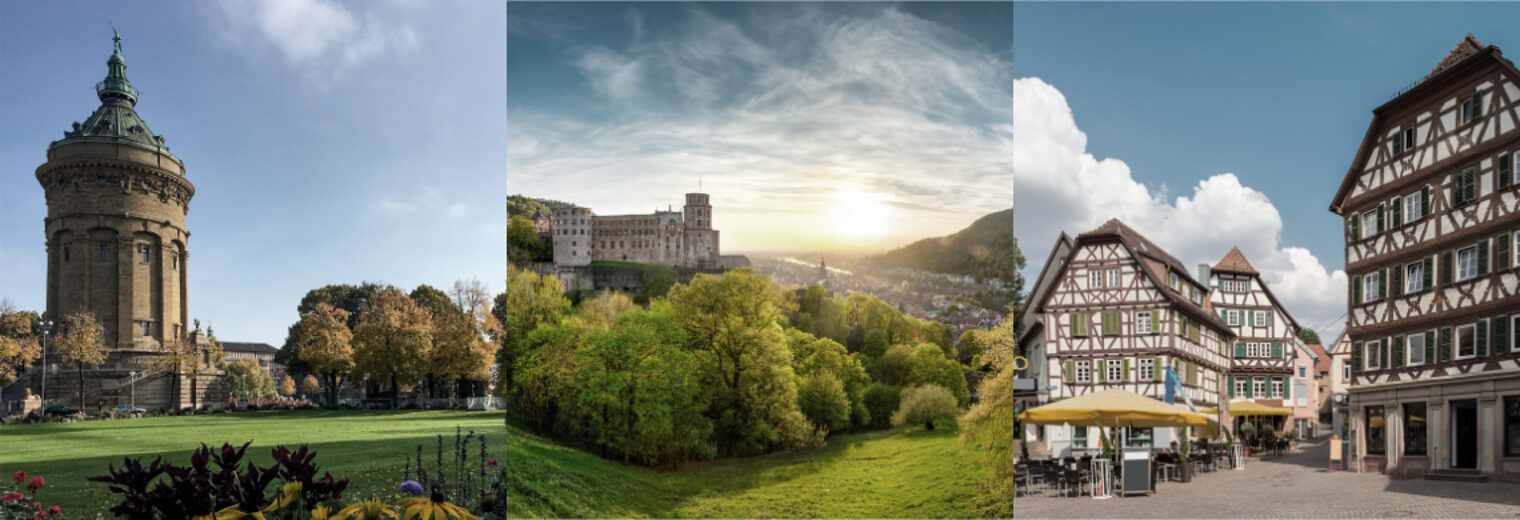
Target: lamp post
(45, 327)
(133, 384)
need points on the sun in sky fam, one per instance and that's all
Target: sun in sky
(860, 215)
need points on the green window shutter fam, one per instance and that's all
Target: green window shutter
(1427, 274)
(1398, 210)
(1430, 347)
(1482, 334)
(1250, 318)
(1446, 272)
(1501, 252)
(1396, 282)
(1240, 349)
(1501, 334)
(1126, 370)
(1070, 374)
(1277, 350)
(1156, 321)
(1269, 318)
(1398, 351)
(1287, 388)
(1158, 370)
(1383, 283)
(1482, 257)
(1469, 185)
(1079, 325)
(1356, 357)
(1110, 323)
(1356, 227)
(1425, 199)
(1504, 171)
(1380, 217)
(1193, 334)
(1102, 371)
(1356, 290)
(1232, 387)
(1221, 285)
(1445, 346)
(1477, 105)
(1193, 373)
(1385, 349)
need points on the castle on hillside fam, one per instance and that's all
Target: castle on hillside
(582, 240)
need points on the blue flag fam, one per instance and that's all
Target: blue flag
(1171, 384)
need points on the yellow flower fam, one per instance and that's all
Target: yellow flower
(289, 493)
(372, 509)
(434, 508)
(320, 513)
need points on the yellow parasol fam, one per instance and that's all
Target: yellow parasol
(1113, 408)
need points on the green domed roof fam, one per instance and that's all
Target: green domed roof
(115, 120)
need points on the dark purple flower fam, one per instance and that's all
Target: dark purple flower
(411, 486)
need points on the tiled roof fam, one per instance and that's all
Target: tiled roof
(1323, 363)
(1157, 262)
(257, 348)
(1465, 49)
(1235, 262)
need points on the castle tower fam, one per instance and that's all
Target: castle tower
(115, 230)
(699, 239)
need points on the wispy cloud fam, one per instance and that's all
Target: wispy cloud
(1062, 187)
(778, 116)
(323, 41)
(427, 203)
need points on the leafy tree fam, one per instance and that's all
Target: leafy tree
(658, 279)
(931, 367)
(19, 344)
(881, 401)
(245, 377)
(989, 424)
(432, 299)
(325, 343)
(351, 298)
(460, 350)
(968, 346)
(393, 339)
(1308, 336)
(811, 355)
(546, 376)
(875, 344)
(529, 302)
(80, 341)
(925, 404)
(188, 360)
(523, 246)
(895, 366)
(288, 386)
(640, 390)
(309, 385)
(822, 399)
(603, 310)
(732, 322)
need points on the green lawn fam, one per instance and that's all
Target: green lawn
(899, 473)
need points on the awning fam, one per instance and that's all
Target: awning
(1112, 408)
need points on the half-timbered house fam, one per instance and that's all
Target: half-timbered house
(1112, 310)
(1432, 236)
(1263, 357)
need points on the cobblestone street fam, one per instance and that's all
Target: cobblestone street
(1293, 486)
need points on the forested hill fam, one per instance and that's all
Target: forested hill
(525, 206)
(984, 249)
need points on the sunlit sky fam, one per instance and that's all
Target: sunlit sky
(329, 142)
(813, 126)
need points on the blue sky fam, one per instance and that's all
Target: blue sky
(813, 126)
(1211, 125)
(328, 142)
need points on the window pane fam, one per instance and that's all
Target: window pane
(1465, 337)
(1377, 434)
(1512, 426)
(1414, 428)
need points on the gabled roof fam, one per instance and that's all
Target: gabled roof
(1467, 52)
(1235, 262)
(1042, 284)
(1154, 262)
(1321, 358)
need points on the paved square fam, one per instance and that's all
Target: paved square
(1293, 486)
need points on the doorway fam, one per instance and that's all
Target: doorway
(1464, 434)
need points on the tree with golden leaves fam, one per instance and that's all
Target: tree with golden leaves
(460, 349)
(326, 344)
(309, 385)
(287, 386)
(187, 360)
(19, 344)
(603, 310)
(989, 424)
(393, 339)
(81, 341)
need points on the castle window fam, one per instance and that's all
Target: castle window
(65, 253)
(145, 251)
(147, 328)
(101, 179)
(176, 261)
(105, 252)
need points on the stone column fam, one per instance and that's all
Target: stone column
(1393, 431)
(126, 311)
(1488, 429)
(1436, 429)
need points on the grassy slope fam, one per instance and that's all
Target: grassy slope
(899, 473)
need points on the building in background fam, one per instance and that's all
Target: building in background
(611, 251)
(263, 352)
(1432, 237)
(1264, 354)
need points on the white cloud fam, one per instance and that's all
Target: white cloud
(321, 40)
(779, 118)
(1059, 186)
(428, 202)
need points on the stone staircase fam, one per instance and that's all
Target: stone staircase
(1456, 475)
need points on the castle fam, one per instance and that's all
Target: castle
(593, 251)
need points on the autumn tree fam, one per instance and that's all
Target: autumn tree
(288, 386)
(474, 362)
(393, 339)
(732, 322)
(529, 302)
(351, 298)
(19, 344)
(310, 385)
(324, 343)
(80, 341)
(602, 310)
(245, 377)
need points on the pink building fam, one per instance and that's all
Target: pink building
(1305, 400)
